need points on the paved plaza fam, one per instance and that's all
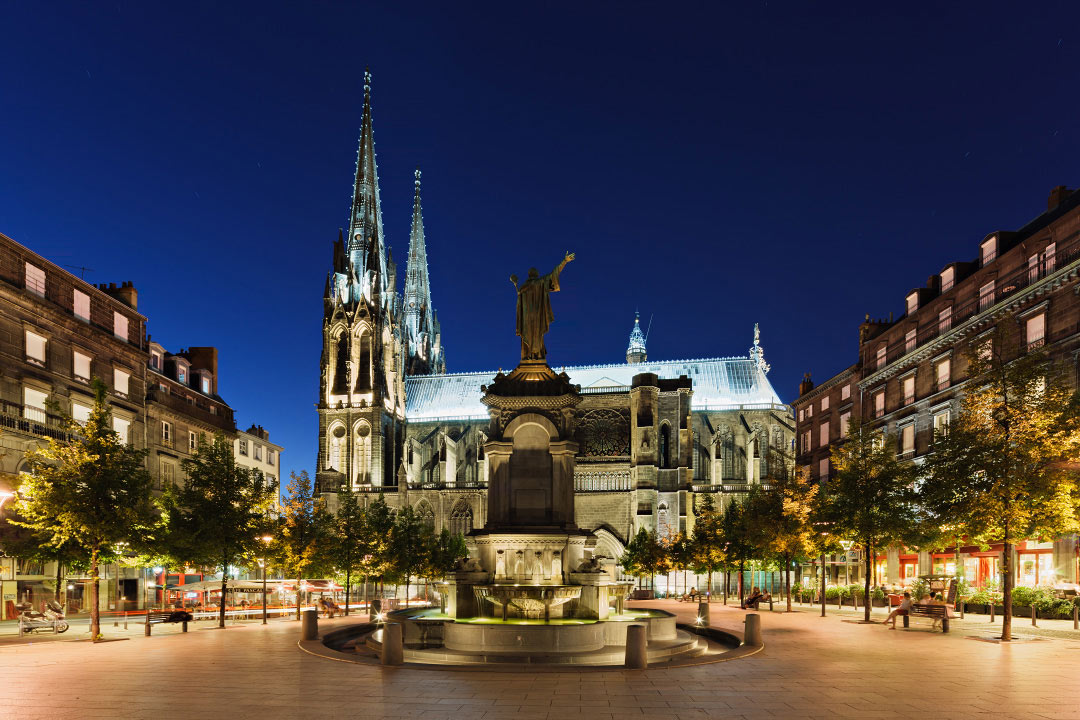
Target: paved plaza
(810, 668)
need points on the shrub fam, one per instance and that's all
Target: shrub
(919, 589)
(832, 592)
(855, 590)
(1023, 596)
(877, 594)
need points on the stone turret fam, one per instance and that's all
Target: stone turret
(635, 353)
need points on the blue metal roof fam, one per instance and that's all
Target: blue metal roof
(719, 384)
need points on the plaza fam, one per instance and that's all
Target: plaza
(811, 667)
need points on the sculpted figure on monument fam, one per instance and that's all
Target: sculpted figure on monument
(534, 309)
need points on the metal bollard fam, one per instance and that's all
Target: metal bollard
(752, 633)
(1034, 616)
(637, 656)
(1076, 617)
(309, 625)
(991, 612)
(393, 649)
(703, 614)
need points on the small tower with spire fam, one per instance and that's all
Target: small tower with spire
(423, 341)
(635, 353)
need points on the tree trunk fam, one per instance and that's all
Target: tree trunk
(407, 579)
(298, 580)
(866, 589)
(727, 581)
(1007, 588)
(95, 614)
(708, 593)
(59, 582)
(348, 585)
(224, 588)
(787, 580)
(742, 571)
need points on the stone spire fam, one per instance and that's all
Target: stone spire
(757, 354)
(635, 353)
(425, 354)
(366, 245)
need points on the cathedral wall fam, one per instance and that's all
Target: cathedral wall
(611, 510)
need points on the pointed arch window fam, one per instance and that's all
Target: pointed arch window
(664, 449)
(340, 385)
(335, 448)
(363, 364)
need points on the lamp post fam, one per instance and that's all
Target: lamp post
(822, 583)
(267, 539)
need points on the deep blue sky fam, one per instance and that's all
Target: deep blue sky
(714, 167)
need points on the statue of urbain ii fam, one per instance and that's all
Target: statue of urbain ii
(534, 309)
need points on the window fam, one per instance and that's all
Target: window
(120, 326)
(120, 381)
(192, 441)
(665, 441)
(122, 427)
(34, 404)
(258, 452)
(35, 348)
(166, 473)
(909, 340)
(272, 479)
(824, 404)
(986, 349)
(907, 439)
(1049, 258)
(908, 384)
(806, 441)
(181, 374)
(944, 320)
(81, 305)
(35, 279)
(270, 456)
(944, 374)
(1035, 329)
(989, 250)
(802, 414)
(823, 433)
(986, 296)
(948, 277)
(881, 355)
(845, 421)
(80, 412)
(941, 422)
(912, 303)
(1033, 268)
(243, 448)
(166, 432)
(810, 410)
(845, 392)
(80, 365)
(206, 385)
(823, 468)
(879, 404)
(155, 361)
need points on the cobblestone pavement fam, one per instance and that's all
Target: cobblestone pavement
(811, 668)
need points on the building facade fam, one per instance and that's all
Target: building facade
(911, 371)
(651, 435)
(252, 449)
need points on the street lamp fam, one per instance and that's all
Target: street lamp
(266, 539)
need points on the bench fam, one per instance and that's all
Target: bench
(937, 612)
(168, 616)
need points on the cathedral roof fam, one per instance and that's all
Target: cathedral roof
(719, 384)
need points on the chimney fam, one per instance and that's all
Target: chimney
(204, 358)
(806, 385)
(1057, 196)
(126, 293)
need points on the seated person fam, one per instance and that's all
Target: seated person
(901, 610)
(755, 597)
(936, 599)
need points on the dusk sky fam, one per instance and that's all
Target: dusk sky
(712, 167)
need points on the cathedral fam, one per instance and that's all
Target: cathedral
(652, 435)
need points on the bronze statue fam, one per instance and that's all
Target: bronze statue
(534, 309)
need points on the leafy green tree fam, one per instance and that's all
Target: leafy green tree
(87, 494)
(788, 535)
(870, 499)
(350, 538)
(707, 542)
(446, 549)
(302, 545)
(376, 560)
(1006, 469)
(411, 543)
(741, 532)
(645, 555)
(218, 515)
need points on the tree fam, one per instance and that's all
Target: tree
(302, 543)
(86, 494)
(350, 537)
(446, 549)
(789, 534)
(411, 541)
(707, 542)
(376, 558)
(741, 532)
(870, 499)
(643, 555)
(1006, 469)
(217, 517)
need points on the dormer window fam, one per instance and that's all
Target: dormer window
(989, 250)
(155, 361)
(912, 303)
(181, 374)
(205, 385)
(948, 279)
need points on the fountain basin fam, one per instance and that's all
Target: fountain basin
(530, 601)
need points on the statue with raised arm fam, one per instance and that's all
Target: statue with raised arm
(534, 309)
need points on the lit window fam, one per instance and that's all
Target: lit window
(80, 412)
(912, 303)
(989, 250)
(166, 432)
(823, 468)
(120, 326)
(35, 348)
(1033, 268)
(802, 414)
(166, 473)
(845, 421)
(34, 404)
(948, 277)
(35, 279)
(881, 355)
(806, 441)
(907, 439)
(824, 404)
(181, 374)
(986, 295)
(81, 305)
(845, 392)
(206, 385)
(944, 320)
(986, 349)
(944, 372)
(155, 361)
(243, 448)
(122, 427)
(1049, 258)
(823, 434)
(120, 381)
(192, 441)
(80, 365)
(909, 389)
(258, 452)
(270, 457)
(1035, 327)
(941, 422)
(909, 340)
(879, 404)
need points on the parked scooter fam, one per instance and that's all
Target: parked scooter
(51, 618)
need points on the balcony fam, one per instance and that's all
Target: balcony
(32, 420)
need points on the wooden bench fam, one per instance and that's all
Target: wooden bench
(937, 612)
(157, 617)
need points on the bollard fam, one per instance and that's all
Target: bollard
(393, 649)
(1076, 617)
(636, 641)
(991, 611)
(309, 625)
(703, 614)
(752, 634)
(1034, 616)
